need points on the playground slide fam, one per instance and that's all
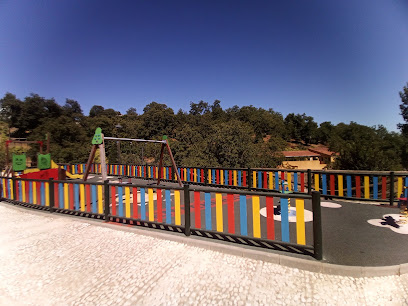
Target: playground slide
(54, 166)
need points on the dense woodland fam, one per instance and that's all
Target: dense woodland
(205, 135)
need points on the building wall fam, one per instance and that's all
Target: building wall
(303, 164)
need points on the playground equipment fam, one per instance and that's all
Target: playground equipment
(98, 141)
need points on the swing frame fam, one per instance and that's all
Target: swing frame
(164, 144)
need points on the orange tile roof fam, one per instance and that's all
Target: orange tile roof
(305, 153)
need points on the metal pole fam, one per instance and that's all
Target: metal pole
(317, 226)
(13, 181)
(106, 200)
(309, 181)
(392, 188)
(205, 176)
(51, 194)
(187, 220)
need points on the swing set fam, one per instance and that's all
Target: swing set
(98, 141)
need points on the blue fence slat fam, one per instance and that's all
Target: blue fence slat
(276, 180)
(225, 177)
(349, 191)
(259, 179)
(324, 184)
(20, 191)
(94, 209)
(406, 185)
(239, 178)
(61, 195)
(207, 201)
(295, 181)
(285, 220)
(76, 196)
(243, 215)
(30, 193)
(213, 175)
(375, 187)
(168, 206)
(143, 204)
(42, 194)
(120, 196)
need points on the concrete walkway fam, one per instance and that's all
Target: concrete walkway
(52, 259)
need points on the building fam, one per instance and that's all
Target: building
(315, 158)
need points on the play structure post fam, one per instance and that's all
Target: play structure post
(317, 226)
(106, 210)
(187, 220)
(51, 194)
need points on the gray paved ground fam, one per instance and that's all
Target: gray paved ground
(58, 260)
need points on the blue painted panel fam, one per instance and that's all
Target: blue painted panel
(120, 200)
(295, 181)
(375, 187)
(324, 184)
(207, 198)
(168, 206)
(259, 179)
(239, 178)
(142, 204)
(348, 182)
(285, 220)
(276, 187)
(76, 196)
(94, 199)
(243, 215)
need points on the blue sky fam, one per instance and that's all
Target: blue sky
(337, 61)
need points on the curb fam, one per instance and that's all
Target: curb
(292, 261)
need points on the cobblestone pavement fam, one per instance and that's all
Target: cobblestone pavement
(57, 260)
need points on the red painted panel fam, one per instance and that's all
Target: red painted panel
(230, 181)
(332, 187)
(231, 217)
(218, 176)
(282, 175)
(270, 226)
(358, 188)
(244, 181)
(135, 213)
(265, 179)
(88, 197)
(383, 187)
(56, 195)
(159, 205)
(302, 182)
(197, 209)
(71, 196)
(113, 197)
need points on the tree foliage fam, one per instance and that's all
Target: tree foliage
(205, 135)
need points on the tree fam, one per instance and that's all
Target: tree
(73, 109)
(404, 110)
(131, 111)
(96, 110)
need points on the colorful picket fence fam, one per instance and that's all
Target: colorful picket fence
(240, 214)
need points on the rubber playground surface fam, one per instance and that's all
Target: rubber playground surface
(354, 234)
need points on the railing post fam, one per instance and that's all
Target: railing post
(205, 176)
(14, 183)
(317, 226)
(51, 194)
(106, 210)
(392, 188)
(249, 178)
(187, 220)
(309, 181)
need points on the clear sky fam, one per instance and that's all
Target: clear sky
(337, 61)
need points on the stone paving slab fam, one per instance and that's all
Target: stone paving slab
(51, 259)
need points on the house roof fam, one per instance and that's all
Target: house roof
(323, 151)
(305, 153)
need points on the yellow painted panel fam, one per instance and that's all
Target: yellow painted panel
(4, 187)
(209, 176)
(235, 178)
(23, 191)
(316, 181)
(151, 205)
(47, 194)
(399, 186)
(289, 180)
(222, 177)
(366, 187)
(340, 182)
(66, 202)
(185, 174)
(270, 180)
(11, 189)
(218, 211)
(300, 221)
(100, 199)
(177, 207)
(127, 202)
(256, 217)
(35, 192)
(195, 175)
(254, 179)
(82, 192)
